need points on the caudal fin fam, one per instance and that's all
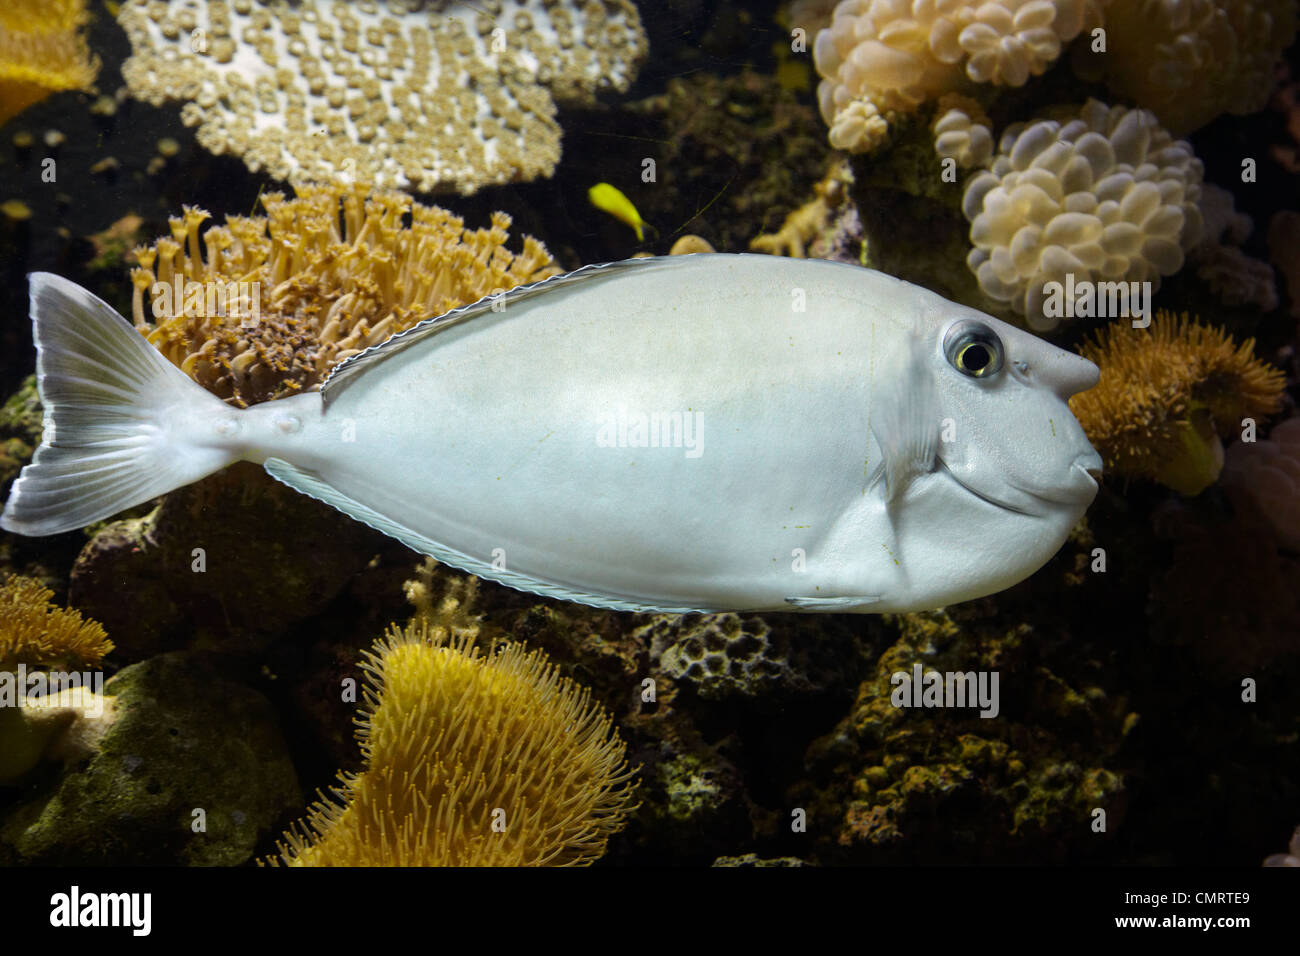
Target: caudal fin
(119, 418)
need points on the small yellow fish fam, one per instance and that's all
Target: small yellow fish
(113, 8)
(609, 199)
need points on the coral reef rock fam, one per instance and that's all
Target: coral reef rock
(193, 771)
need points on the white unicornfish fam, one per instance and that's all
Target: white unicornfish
(690, 433)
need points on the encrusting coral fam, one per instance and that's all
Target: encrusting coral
(407, 93)
(1166, 397)
(1108, 196)
(42, 51)
(882, 58)
(472, 758)
(1188, 61)
(278, 300)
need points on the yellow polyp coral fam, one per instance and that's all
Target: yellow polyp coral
(35, 632)
(1166, 397)
(42, 51)
(1190, 60)
(271, 303)
(471, 759)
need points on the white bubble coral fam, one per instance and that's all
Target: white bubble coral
(962, 132)
(1108, 196)
(882, 57)
(1190, 60)
(424, 94)
(1269, 473)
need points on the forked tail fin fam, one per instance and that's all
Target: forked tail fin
(122, 424)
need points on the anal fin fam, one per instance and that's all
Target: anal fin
(833, 604)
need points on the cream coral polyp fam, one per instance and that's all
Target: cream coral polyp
(1107, 196)
(881, 58)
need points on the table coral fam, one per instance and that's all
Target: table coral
(1189, 61)
(1107, 196)
(471, 759)
(407, 93)
(881, 58)
(1166, 397)
(42, 51)
(317, 279)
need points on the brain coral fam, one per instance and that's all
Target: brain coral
(406, 93)
(42, 51)
(1167, 395)
(1269, 472)
(1107, 196)
(333, 271)
(1190, 60)
(471, 759)
(883, 57)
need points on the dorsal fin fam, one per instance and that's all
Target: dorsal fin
(349, 370)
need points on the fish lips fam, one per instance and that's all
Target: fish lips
(1077, 489)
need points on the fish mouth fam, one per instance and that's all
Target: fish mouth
(1080, 488)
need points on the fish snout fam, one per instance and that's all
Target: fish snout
(1068, 374)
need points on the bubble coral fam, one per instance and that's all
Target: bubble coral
(878, 58)
(1166, 397)
(471, 759)
(962, 132)
(1107, 196)
(407, 93)
(1188, 61)
(42, 51)
(317, 279)
(1269, 473)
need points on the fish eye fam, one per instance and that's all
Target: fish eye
(973, 349)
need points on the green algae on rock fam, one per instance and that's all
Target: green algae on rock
(192, 771)
(910, 786)
(236, 559)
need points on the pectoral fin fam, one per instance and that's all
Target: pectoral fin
(905, 422)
